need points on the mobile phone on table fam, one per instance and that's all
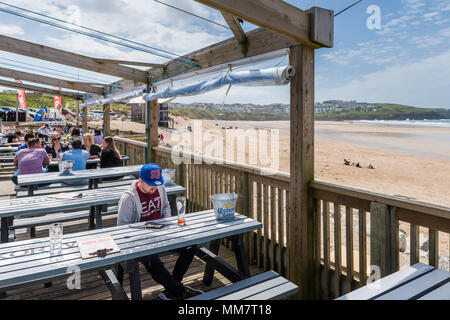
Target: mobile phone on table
(151, 225)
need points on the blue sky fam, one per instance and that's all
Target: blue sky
(407, 61)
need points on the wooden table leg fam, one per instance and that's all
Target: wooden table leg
(241, 255)
(92, 218)
(173, 204)
(209, 270)
(4, 230)
(30, 190)
(98, 217)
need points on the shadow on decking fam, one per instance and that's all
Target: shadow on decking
(92, 285)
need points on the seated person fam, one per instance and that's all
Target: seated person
(146, 200)
(45, 130)
(30, 160)
(27, 139)
(13, 137)
(110, 156)
(56, 149)
(98, 137)
(76, 134)
(93, 149)
(79, 157)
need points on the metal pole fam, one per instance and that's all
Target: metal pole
(147, 132)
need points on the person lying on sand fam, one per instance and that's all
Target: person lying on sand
(358, 165)
(369, 166)
(346, 162)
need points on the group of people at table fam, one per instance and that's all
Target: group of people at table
(34, 155)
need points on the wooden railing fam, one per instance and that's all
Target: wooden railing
(134, 149)
(261, 197)
(356, 232)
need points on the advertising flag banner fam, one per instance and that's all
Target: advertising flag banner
(22, 97)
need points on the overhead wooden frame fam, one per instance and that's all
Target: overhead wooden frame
(260, 41)
(72, 85)
(16, 85)
(42, 52)
(130, 63)
(282, 18)
(236, 28)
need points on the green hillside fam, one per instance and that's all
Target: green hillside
(193, 113)
(9, 100)
(388, 112)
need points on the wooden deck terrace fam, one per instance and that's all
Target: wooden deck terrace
(94, 288)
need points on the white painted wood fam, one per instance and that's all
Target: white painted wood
(386, 283)
(416, 287)
(441, 293)
(29, 261)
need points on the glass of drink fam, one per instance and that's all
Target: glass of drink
(181, 210)
(56, 235)
(50, 157)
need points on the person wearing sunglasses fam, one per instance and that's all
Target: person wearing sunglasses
(56, 149)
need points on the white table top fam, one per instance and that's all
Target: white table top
(30, 260)
(55, 177)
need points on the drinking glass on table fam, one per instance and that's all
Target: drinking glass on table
(56, 234)
(181, 210)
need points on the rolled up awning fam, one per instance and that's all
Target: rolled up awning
(138, 92)
(266, 77)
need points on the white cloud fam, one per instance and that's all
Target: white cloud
(424, 83)
(11, 30)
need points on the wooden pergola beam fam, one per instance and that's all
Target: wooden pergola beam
(42, 52)
(130, 63)
(260, 41)
(235, 27)
(73, 85)
(15, 85)
(282, 18)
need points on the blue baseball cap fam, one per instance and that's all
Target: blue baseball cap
(152, 175)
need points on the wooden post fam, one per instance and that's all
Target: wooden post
(383, 238)
(78, 115)
(151, 129)
(301, 208)
(85, 120)
(106, 120)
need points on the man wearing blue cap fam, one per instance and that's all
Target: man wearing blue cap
(147, 200)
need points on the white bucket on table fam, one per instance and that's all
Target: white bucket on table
(169, 176)
(224, 205)
(65, 167)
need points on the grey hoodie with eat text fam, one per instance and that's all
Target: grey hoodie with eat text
(130, 206)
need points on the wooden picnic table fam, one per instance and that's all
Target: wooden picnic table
(417, 282)
(33, 180)
(25, 262)
(11, 145)
(8, 149)
(94, 199)
(53, 166)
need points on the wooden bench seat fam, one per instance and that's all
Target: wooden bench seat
(54, 218)
(265, 286)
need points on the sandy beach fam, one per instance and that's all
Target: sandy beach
(412, 162)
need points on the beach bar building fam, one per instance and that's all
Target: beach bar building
(324, 238)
